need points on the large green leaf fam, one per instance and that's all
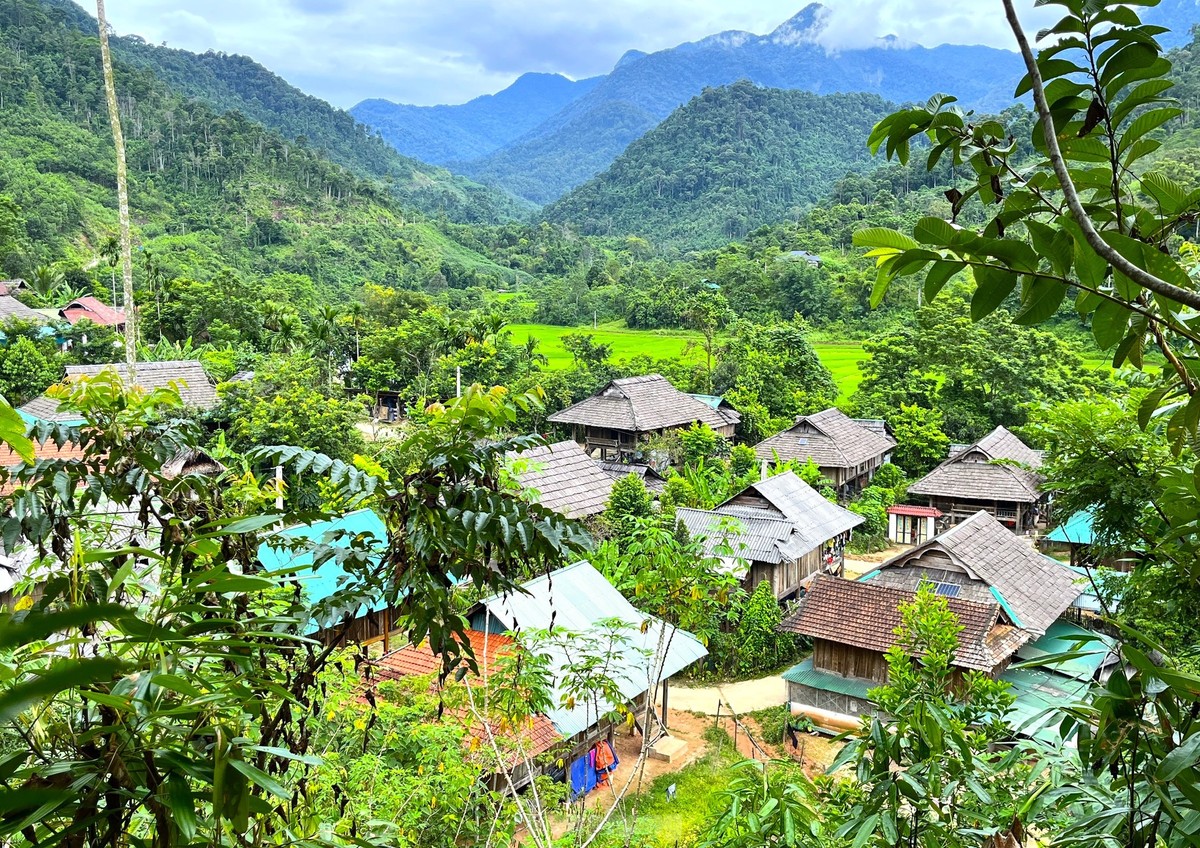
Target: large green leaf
(12, 432)
(992, 286)
(62, 675)
(1108, 323)
(1040, 299)
(883, 237)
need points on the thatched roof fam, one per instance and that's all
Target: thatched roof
(191, 461)
(640, 405)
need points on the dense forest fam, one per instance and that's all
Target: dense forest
(732, 159)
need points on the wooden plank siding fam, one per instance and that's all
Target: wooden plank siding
(785, 577)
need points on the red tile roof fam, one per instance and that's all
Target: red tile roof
(93, 309)
(536, 737)
(918, 511)
(866, 615)
(42, 451)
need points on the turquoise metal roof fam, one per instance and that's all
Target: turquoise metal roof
(33, 420)
(1063, 637)
(804, 673)
(709, 400)
(1039, 694)
(1012, 616)
(321, 583)
(1076, 530)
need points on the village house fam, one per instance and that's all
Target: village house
(496, 744)
(1078, 536)
(575, 600)
(328, 587)
(617, 420)
(1008, 598)
(94, 310)
(997, 474)
(565, 479)
(910, 524)
(781, 528)
(848, 451)
(12, 309)
(187, 376)
(654, 482)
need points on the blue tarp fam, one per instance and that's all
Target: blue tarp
(582, 775)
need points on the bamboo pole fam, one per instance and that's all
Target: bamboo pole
(114, 117)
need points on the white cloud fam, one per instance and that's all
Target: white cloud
(447, 52)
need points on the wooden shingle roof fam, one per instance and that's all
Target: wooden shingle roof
(830, 438)
(565, 479)
(780, 519)
(865, 615)
(12, 309)
(187, 375)
(640, 405)
(983, 472)
(1033, 589)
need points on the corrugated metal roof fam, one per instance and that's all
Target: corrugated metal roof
(1039, 695)
(329, 577)
(575, 599)
(1063, 637)
(1076, 530)
(756, 538)
(804, 674)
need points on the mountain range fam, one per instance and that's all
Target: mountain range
(571, 131)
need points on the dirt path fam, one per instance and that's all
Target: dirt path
(746, 696)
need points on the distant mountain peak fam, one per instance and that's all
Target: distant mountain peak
(804, 27)
(630, 57)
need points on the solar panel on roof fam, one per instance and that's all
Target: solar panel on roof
(948, 590)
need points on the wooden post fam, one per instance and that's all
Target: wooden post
(664, 704)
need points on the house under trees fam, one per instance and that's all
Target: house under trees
(998, 474)
(1008, 598)
(780, 530)
(847, 450)
(187, 376)
(615, 422)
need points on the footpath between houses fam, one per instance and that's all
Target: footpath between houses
(746, 696)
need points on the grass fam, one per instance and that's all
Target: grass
(840, 358)
(698, 786)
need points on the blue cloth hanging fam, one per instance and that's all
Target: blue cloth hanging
(582, 775)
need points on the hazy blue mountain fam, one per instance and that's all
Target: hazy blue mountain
(444, 133)
(1179, 16)
(728, 161)
(586, 136)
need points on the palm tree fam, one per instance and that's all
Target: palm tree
(532, 355)
(354, 309)
(114, 117)
(46, 279)
(289, 335)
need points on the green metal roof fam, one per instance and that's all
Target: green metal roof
(1063, 637)
(805, 674)
(322, 582)
(1076, 530)
(1039, 694)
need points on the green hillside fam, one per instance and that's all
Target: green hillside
(228, 82)
(208, 190)
(730, 160)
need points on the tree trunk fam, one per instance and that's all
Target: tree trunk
(114, 116)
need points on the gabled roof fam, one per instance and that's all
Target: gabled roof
(535, 738)
(781, 518)
(94, 310)
(575, 599)
(865, 615)
(12, 309)
(830, 438)
(565, 479)
(983, 472)
(1033, 589)
(616, 470)
(640, 405)
(187, 375)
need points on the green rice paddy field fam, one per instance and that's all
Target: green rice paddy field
(840, 358)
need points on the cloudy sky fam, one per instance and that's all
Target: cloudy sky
(417, 51)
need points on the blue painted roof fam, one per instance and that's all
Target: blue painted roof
(1076, 530)
(321, 583)
(33, 420)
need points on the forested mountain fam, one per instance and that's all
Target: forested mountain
(586, 136)
(227, 82)
(732, 159)
(444, 133)
(209, 191)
